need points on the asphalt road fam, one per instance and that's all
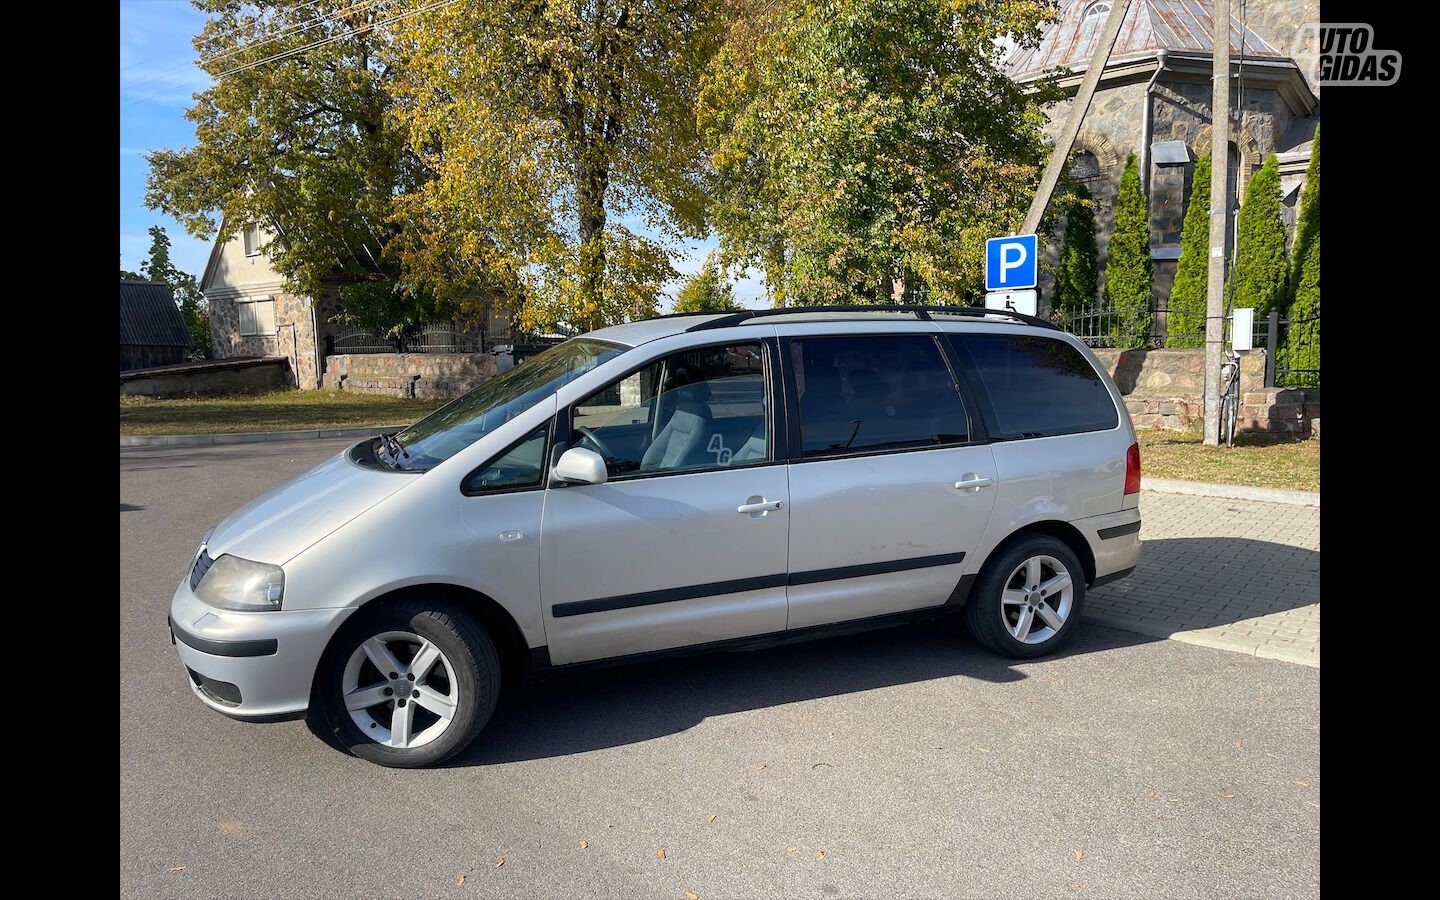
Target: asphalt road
(905, 762)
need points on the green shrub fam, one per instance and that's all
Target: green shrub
(1185, 322)
(1129, 276)
(1078, 273)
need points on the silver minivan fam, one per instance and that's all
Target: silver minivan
(690, 482)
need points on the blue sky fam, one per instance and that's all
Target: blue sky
(157, 77)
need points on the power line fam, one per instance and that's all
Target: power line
(291, 30)
(293, 10)
(296, 51)
(333, 39)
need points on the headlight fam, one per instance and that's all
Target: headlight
(242, 585)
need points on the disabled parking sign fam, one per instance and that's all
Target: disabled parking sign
(1010, 263)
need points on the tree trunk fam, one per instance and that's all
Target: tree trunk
(590, 186)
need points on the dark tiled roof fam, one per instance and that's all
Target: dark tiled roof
(148, 315)
(1150, 25)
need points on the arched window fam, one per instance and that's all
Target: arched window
(1085, 169)
(1097, 9)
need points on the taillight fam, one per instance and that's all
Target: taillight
(1132, 470)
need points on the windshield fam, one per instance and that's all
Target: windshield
(457, 425)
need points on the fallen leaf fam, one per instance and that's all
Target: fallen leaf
(1079, 855)
(820, 854)
(804, 718)
(1062, 679)
(759, 767)
(830, 735)
(1079, 885)
(177, 868)
(499, 862)
(232, 827)
(1150, 793)
(710, 819)
(982, 749)
(584, 843)
(662, 854)
(789, 849)
(460, 880)
(1239, 744)
(690, 896)
(1302, 784)
(1168, 800)
(1227, 796)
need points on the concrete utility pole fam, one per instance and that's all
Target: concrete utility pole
(1061, 155)
(1219, 218)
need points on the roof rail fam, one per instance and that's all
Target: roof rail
(921, 312)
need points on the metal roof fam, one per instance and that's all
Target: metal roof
(1150, 26)
(148, 315)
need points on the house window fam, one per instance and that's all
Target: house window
(252, 240)
(1095, 10)
(256, 316)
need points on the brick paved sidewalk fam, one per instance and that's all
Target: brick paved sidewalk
(1234, 574)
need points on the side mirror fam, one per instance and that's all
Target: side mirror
(580, 466)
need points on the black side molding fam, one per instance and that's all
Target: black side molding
(267, 647)
(715, 588)
(668, 595)
(1118, 530)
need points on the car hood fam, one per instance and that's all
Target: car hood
(276, 526)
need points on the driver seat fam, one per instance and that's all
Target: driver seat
(684, 437)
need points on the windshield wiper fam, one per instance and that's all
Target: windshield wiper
(396, 451)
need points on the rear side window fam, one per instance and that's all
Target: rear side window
(874, 392)
(1030, 386)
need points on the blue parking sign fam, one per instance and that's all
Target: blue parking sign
(1010, 263)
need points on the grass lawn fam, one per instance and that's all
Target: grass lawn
(279, 410)
(1254, 460)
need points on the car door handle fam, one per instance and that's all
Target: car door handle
(761, 507)
(972, 482)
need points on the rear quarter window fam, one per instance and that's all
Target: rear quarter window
(1032, 386)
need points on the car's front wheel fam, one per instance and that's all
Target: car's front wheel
(408, 684)
(1027, 600)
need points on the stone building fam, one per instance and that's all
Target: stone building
(251, 314)
(1153, 100)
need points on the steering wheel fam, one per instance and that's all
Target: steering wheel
(588, 434)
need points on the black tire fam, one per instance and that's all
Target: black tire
(985, 616)
(467, 653)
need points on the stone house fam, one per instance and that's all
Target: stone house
(1153, 100)
(251, 314)
(152, 331)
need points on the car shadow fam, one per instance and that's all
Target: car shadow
(1193, 582)
(130, 507)
(578, 712)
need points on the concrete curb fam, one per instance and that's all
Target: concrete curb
(1201, 638)
(1230, 491)
(253, 437)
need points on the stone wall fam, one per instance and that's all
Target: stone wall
(1166, 389)
(210, 377)
(425, 375)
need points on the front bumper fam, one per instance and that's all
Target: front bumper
(250, 665)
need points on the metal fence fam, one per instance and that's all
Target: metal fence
(437, 337)
(1295, 364)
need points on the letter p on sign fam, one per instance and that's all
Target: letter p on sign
(1010, 263)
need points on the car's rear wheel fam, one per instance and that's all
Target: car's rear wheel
(1028, 599)
(408, 684)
